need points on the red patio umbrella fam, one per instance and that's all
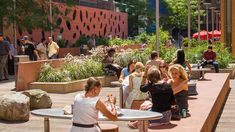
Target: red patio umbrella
(216, 33)
(203, 35)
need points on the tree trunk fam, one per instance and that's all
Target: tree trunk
(1, 25)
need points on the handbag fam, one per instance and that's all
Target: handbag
(175, 112)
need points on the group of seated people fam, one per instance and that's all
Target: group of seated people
(163, 88)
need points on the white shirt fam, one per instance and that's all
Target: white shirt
(85, 112)
(52, 48)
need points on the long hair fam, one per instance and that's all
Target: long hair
(183, 74)
(180, 58)
(129, 65)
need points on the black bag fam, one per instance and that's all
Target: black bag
(175, 112)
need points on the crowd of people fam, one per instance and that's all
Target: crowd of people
(162, 87)
(46, 49)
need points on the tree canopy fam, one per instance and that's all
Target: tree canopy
(28, 14)
(178, 14)
(137, 12)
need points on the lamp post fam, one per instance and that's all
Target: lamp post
(51, 17)
(212, 16)
(216, 19)
(207, 4)
(189, 30)
(157, 26)
(199, 20)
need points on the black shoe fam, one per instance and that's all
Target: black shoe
(6, 79)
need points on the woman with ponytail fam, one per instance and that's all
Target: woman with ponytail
(135, 80)
(86, 107)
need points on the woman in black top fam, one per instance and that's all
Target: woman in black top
(161, 93)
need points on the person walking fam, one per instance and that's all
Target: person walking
(29, 49)
(4, 52)
(53, 49)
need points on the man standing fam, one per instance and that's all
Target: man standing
(29, 49)
(209, 57)
(91, 42)
(53, 49)
(4, 51)
(42, 49)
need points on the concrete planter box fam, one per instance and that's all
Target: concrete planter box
(68, 87)
(196, 75)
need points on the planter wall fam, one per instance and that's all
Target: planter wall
(196, 74)
(64, 51)
(28, 72)
(68, 87)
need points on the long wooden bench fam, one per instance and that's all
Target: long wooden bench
(203, 108)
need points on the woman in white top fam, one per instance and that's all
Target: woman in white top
(135, 80)
(86, 107)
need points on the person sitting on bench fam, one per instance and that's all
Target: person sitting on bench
(209, 57)
(108, 62)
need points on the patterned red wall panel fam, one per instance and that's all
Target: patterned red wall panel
(87, 21)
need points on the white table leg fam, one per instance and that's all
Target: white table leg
(143, 126)
(46, 124)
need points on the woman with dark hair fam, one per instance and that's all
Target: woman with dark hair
(86, 107)
(127, 71)
(180, 59)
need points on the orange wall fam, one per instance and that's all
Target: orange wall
(87, 21)
(64, 51)
(28, 72)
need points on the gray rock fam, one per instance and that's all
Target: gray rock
(38, 99)
(14, 107)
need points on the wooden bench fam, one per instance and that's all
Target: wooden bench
(204, 108)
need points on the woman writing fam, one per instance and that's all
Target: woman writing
(86, 107)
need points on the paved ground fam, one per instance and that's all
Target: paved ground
(35, 124)
(226, 121)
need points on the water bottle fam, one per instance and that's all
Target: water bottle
(184, 113)
(198, 65)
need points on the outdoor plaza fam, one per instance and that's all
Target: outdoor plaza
(117, 66)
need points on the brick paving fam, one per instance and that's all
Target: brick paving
(35, 124)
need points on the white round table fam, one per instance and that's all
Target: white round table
(126, 115)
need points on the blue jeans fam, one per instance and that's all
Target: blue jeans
(214, 63)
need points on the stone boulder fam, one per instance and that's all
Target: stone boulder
(14, 107)
(38, 99)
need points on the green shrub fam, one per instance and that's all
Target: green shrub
(62, 43)
(82, 40)
(73, 68)
(124, 58)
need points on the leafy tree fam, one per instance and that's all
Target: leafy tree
(178, 14)
(29, 14)
(135, 9)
